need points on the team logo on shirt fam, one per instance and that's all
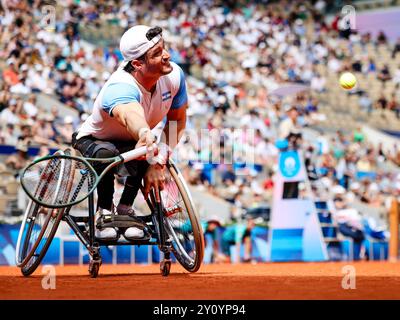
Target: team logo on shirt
(166, 95)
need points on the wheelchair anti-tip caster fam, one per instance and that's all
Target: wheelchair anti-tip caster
(94, 267)
(95, 261)
(165, 267)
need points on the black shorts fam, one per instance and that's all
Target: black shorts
(90, 146)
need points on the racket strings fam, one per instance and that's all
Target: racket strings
(47, 175)
(58, 181)
(81, 184)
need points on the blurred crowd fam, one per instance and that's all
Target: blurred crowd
(234, 55)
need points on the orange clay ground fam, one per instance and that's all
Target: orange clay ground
(374, 280)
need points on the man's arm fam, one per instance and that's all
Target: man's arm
(131, 116)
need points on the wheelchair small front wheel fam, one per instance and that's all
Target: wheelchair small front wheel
(165, 267)
(94, 267)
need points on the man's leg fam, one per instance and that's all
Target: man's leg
(105, 188)
(133, 183)
(89, 147)
(246, 241)
(92, 148)
(247, 249)
(137, 170)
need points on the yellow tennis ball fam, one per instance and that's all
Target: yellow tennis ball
(347, 80)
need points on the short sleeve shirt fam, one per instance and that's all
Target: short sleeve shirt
(122, 88)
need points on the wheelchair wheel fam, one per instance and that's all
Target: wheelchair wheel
(181, 221)
(39, 226)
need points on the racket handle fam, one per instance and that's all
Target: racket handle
(135, 153)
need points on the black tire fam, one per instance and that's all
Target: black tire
(37, 232)
(183, 226)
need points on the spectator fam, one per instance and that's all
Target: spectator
(43, 131)
(247, 241)
(66, 130)
(381, 38)
(290, 128)
(396, 48)
(393, 104)
(10, 74)
(384, 74)
(371, 66)
(366, 103)
(8, 135)
(396, 77)
(238, 235)
(18, 160)
(9, 114)
(5, 97)
(228, 174)
(254, 121)
(381, 103)
(350, 222)
(21, 87)
(397, 109)
(30, 107)
(211, 233)
(26, 135)
(318, 83)
(357, 65)
(358, 135)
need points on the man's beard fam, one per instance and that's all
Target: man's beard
(166, 69)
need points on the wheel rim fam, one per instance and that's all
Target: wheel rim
(179, 223)
(38, 226)
(34, 232)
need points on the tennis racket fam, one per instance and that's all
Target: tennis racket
(48, 180)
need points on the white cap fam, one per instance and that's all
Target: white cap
(215, 218)
(134, 43)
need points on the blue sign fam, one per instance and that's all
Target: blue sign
(289, 164)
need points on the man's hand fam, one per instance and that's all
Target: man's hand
(147, 138)
(155, 179)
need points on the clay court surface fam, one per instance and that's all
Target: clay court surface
(374, 280)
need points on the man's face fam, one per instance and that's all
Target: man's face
(157, 60)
